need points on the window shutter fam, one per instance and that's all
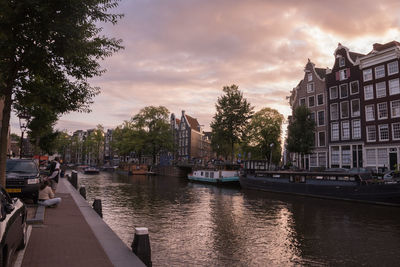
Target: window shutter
(348, 72)
(337, 76)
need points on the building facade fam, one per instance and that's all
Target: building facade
(346, 121)
(381, 97)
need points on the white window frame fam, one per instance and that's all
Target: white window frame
(358, 87)
(366, 112)
(391, 109)
(305, 101)
(389, 65)
(312, 96)
(341, 110)
(347, 137)
(337, 111)
(309, 77)
(379, 111)
(354, 127)
(393, 130)
(380, 91)
(310, 87)
(367, 73)
(359, 108)
(342, 62)
(388, 133)
(319, 143)
(347, 90)
(367, 130)
(396, 81)
(378, 70)
(318, 117)
(323, 100)
(338, 131)
(330, 92)
(365, 92)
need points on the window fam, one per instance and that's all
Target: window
(335, 155)
(355, 107)
(312, 116)
(371, 133)
(344, 110)
(320, 99)
(311, 101)
(342, 62)
(322, 159)
(309, 77)
(346, 155)
(343, 74)
(344, 92)
(367, 75)
(382, 111)
(302, 101)
(383, 132)
(395, 108)
(380, 89)
(394, 87)
(356, 129)
(368, 92)
(321, 138)
(321, 118)
(333, 92)
(371, 156)
(334, 111)
(380, 71)
(396, 131)
(335, 131)
(313, 160)
(354, 87)
(310, 88)
(345, 130)
(393, 67)
(383, 157)
(369, 113)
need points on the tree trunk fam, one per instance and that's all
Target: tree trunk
(5, 122)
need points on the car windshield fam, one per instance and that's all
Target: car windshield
(20, 166)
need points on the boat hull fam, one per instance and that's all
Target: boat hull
(379, 193)
(224, 180)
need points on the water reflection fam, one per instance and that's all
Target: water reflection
(197, 224)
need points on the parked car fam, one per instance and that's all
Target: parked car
(22, 178)
(13, 234)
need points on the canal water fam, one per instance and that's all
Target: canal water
(193, 224)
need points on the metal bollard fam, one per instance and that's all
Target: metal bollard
(82, 191)
(141, 245)
(74, 179)
(97, 207)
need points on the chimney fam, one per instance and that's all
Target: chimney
(376, 46)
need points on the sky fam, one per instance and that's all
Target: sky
(181, 53)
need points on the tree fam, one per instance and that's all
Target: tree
(63, 142)
(48, 51)
(264, 135)
(127, 139)
(301, 128)
(152, 127)
(232, 115)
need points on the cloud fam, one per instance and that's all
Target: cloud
(180, 53)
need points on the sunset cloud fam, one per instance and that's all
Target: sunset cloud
(180, 53)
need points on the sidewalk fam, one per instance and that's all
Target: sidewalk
(66, 238)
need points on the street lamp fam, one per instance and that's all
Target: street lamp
(270, 156)
(23, 124)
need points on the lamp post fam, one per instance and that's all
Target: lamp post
(23, 124)
(270, 156)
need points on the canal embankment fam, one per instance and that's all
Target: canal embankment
(73, 234)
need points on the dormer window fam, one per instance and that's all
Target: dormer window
(342, 62)
(310, 88)
(309, 76)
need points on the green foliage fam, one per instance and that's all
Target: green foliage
(94, 143)
(301, 128)
(230, 120)
(265, 128)
(48, 51)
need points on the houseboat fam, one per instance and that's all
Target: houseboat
(220, 174)
(91, 170)
(342, 185)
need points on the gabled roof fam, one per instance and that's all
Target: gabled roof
(380, 47)
(321, 72)
(354, 56)
(194, 124)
